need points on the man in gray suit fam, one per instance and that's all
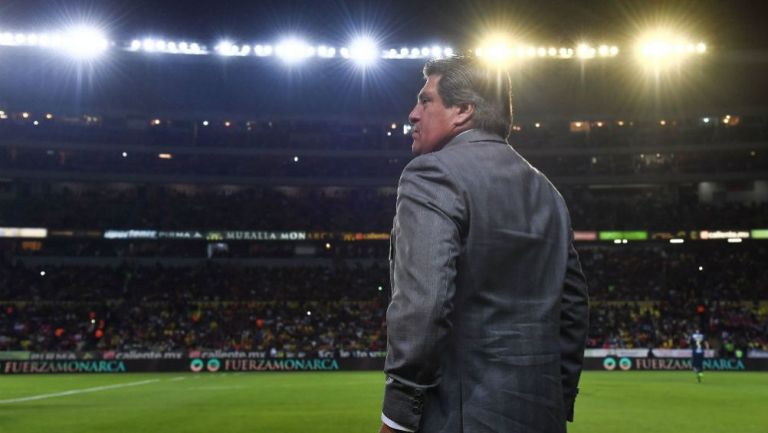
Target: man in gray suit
(489, 312)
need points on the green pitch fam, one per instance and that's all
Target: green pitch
(610, 402)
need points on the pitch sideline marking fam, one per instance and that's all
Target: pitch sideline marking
(79, 391)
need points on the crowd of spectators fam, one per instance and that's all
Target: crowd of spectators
(647, 273)
(648, 212)
(364, 209)
(383, 134)
(211, 282)
(315, 328)
(249, 209)
(727, 324)
(334, 149)
(641, 297)
(378, 168)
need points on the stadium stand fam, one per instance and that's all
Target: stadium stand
(105, 177)
(79, 206)
(641, 297)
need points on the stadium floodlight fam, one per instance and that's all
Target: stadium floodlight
(326, 52)
(84, 42)
(661, 48)
(55, 41)
(363, 51)
(151, 45)
(496, 50)
(223, 47)
(258, 50)
(227, 48)
(656, 48)
(293, 50)
(585, 51)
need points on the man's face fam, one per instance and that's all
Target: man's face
(433, 122)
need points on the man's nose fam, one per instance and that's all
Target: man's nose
(413, 116)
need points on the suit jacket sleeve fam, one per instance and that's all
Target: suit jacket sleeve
(574, 324)
(430, 212)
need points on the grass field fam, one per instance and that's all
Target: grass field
(349, 402)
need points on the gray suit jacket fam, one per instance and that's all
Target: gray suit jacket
(488, 319)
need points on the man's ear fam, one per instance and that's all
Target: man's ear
(464, 115)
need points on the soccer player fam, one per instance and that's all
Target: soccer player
(697, 353)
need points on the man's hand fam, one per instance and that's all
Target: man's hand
(387, 429)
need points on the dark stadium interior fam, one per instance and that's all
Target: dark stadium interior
(216, 144)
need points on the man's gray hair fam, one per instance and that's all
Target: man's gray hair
(465, 80)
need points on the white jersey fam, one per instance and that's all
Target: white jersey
(697, 342)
